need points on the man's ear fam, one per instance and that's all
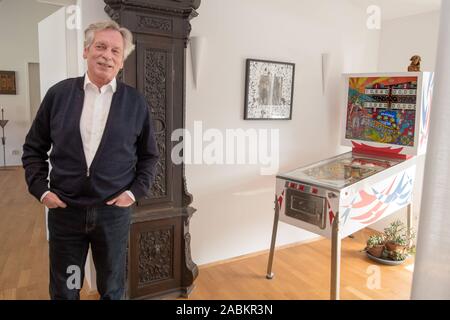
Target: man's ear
(85, 52)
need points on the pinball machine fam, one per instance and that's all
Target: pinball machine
(385, 121)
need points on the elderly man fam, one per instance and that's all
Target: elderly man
(103, 158)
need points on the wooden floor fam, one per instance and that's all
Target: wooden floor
(23, 246)
(301, 271)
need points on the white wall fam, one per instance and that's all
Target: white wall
(401, 39)
(235, 203)
(52, 50)
(19, 45)
(404, 37)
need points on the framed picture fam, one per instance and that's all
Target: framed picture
(269, 90)
(7, 82)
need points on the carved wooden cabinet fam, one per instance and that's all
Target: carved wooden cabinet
(159, 257)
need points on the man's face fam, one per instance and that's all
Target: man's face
(104, 56)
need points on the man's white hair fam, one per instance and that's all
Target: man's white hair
(127, 36)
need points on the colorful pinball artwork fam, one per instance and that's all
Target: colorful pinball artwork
(382, 109)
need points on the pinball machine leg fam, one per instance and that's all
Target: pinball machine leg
(409, 217)
(335, 260)
(269, 274)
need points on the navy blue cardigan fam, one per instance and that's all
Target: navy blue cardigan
(125, 160)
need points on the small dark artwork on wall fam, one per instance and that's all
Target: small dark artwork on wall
(269, 90)
(7, 82)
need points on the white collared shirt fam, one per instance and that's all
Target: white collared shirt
(96, 106)
(97, 103)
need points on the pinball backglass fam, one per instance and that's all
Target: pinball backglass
(388, 112)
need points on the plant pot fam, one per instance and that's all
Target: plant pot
(392, 246)
(376, 251)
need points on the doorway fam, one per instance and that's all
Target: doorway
(34, 88)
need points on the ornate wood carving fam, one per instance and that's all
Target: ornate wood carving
(187, 197)
(187, 252)
(155, 23)
(156, 15)
(113, 14)
(155, 93)
(155, 255)
(120, 75)
(184, 8)
(159, 251)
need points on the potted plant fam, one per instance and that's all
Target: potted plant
(392, 246)
(398, 256)
(375, 245)
(398, 239)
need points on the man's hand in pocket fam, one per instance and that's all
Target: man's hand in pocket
(123, 200)
(52, 201)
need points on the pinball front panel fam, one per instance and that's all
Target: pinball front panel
(306, 206)
(366, 203)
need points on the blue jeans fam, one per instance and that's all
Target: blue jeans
(71, 231)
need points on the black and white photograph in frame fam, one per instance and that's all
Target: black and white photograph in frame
(269, 90)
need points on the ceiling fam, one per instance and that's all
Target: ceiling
(393, 9)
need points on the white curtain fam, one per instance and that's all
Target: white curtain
(432, 266)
